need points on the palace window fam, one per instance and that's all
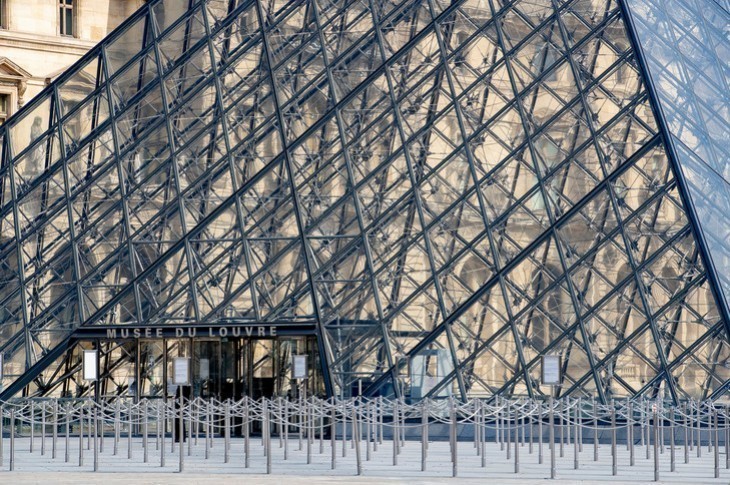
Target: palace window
(4, 107)
(3, 14)
(66, 17)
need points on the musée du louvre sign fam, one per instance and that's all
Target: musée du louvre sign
(249, 331)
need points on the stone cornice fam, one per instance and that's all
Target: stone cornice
(45, 43)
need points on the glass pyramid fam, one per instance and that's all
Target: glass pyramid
(449, 189)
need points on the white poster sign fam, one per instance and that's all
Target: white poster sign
(89, 365)
(204, 369)
(181, 371)
(300, 366)
(551, 370)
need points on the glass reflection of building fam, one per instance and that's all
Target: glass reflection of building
(448, 190)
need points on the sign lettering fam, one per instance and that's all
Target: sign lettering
(190, 332)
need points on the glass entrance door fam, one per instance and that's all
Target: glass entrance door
(214, 369)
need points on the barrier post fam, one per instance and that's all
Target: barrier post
(145, 431)
(540, 436)
(68, 426)
(517, 445)
(55, 431)
(2, 420)
(630, 432)
(12, 439)
(717, 444)
(656, 446)
(672, 464)
(96, 440)
(161, 425)
(333, 433)
(576, 440)
(246, 433)
(614, 458)
(552, 438)
(595, 431)
(424, 425)
(454, 452)
(356, 438)
(81, 435)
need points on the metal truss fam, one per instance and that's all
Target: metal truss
(449, 190)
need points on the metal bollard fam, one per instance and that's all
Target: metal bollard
(380, 407)
(55, 431)
(685, 430)
(2, 422)
(532, 430)
(81, 435)
(508, 432)
(226, 431)
(540, 437)
(321, 436)
(130, 418)
(102, 419)
(344, 431)
(552, 438)
(208, 430)
(562, 428)
(161, 425)
(630, 431)
(117, 425)
(648, 431)
(672, 464)
(656, 447)
(68, 426)
(285, 429)
(454, 452)
(727, 439)
(333, 434)
(717, 445)
(424, 425)
(356, 438)
(180, 434)
(498, 435)
(145, 430)
(43, 428)
(246, 433)
(32, 425)
(614, 451)
(517, 445)
(576, 440)
(699, 430)
(12, 439)
(196, 421)
(267, 433)
(190, 418)
(368, 430)
(396, 439)
(96, 440)
(482, 436)
(580, 424)
(310, 417)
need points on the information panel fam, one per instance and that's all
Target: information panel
(204, 369)
(89, 365)
(181, 371)
(300, 366)
(551, 370)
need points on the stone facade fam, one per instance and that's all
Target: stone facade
(32, 51)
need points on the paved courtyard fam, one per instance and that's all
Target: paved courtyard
(119, 469)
